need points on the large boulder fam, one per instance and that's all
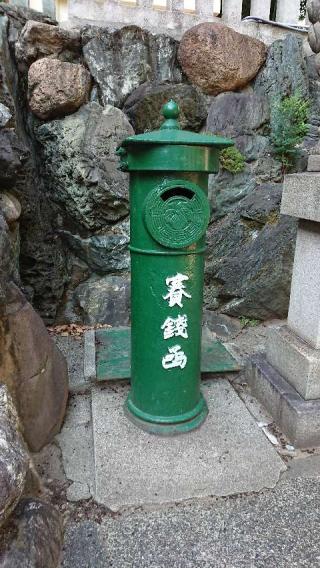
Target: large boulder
(217, 59)
(33, 369)
(314, 37)
(35, 536)
(122, 60)
(244, 117)
(285, 71)
(250, 257)
(143, 106)
(14, 458)
(39, 39)
(56, 88)
(312, 137)
(80, 166)
(288, 71)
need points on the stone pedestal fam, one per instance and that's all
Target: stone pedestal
(287, 378)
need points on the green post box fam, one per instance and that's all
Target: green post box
(169, 216)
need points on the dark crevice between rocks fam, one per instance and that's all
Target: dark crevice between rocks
(43, 267)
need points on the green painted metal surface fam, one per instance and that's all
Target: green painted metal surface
(169, 214)
(113, 355)
(172, 149)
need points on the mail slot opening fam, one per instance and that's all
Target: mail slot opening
(177, 192)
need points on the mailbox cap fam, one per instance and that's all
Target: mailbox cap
(170, 133)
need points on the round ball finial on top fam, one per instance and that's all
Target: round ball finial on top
(170, 112)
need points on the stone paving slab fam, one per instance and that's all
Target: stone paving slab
(76, 444)
(228, 455)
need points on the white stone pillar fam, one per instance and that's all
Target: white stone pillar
(294, 350)
(287, 379)
(232, 11)
(288, 11)
(260, 9)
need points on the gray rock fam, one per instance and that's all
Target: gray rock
(12, 152)
(14, 458)
(221, 325)
(243, 117)
(314, 37)
(122, 60)
(37, 536)
(6, 97)
(250, 257)
(104, 300)
(5, 115)
(6, 260)
(39, 39)
(313, 9)
(80, 166)
(102, 253)
(285, 70)
(312, 137)
(144, 105)
(227, 189)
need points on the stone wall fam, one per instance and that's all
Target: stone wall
(77, 93)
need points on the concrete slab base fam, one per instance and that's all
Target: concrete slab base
(299, 419)
(229, 454)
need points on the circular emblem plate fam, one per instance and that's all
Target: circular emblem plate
(177, 213)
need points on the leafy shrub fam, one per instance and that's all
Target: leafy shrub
(289, 126)
(232, 160)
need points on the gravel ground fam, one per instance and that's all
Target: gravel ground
(275, 529)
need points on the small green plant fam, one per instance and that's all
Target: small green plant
(248, 322)
(303, 9)
(289, 126)
(232, 160)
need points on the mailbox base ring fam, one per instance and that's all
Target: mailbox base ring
(167, 426)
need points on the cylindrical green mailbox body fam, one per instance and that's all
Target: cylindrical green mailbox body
(169, 215)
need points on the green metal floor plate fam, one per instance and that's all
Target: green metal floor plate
(113, 355)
